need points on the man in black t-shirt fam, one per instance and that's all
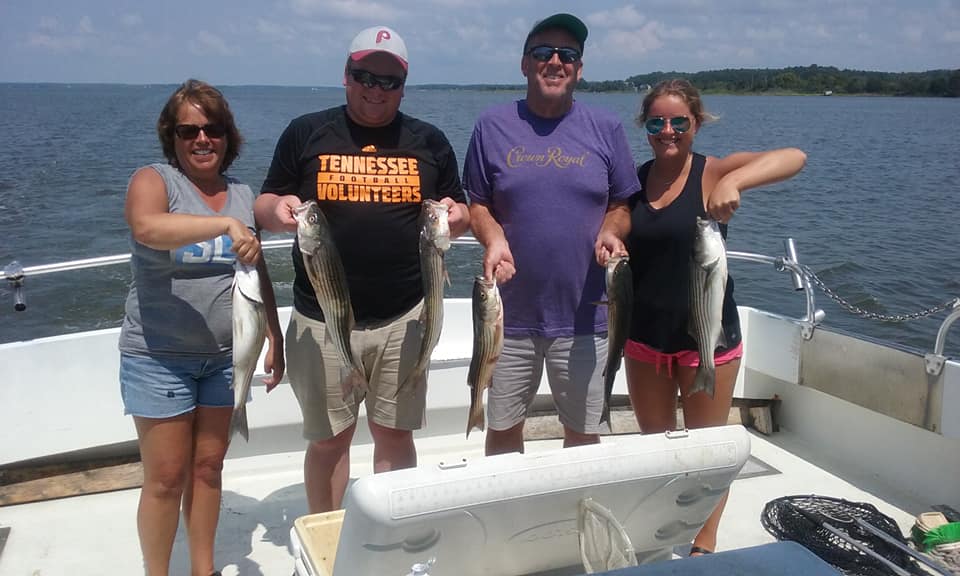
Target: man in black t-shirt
(369, 167)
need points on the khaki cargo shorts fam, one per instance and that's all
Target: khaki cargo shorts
(386, 350)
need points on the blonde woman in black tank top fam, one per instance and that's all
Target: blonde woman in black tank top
(677, 187)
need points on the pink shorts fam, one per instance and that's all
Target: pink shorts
(690, 358)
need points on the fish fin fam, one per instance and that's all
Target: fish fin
(238, 422)
(446, 276)
(601, 302)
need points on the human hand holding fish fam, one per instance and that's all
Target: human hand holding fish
(284, 212)
(723, 201)
(608, 245)
(498, 262)
(246, 246)
(457, 216)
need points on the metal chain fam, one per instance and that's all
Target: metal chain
(952, 303)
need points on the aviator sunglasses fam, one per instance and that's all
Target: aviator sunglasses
(191, 131)
(655, 125)
(545, 54)
(369, 80)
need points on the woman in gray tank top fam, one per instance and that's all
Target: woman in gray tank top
(189, 223)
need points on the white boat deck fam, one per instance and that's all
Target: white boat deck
(826, 446)
(96, 534)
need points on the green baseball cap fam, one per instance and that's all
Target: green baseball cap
(564, 21)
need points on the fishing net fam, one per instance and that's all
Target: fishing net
(807, 520)
(604, 544)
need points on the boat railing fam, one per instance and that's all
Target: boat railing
(803, 277)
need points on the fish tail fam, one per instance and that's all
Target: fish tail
(704, 380)
(476, 419)
(350, 379)
(605, 415)
(238, 422)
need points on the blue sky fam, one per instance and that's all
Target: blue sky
(304, 42)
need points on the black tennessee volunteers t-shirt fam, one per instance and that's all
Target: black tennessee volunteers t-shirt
(370, 183)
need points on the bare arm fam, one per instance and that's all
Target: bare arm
(613, 231)
(744, 170)
(148, 214)
(274, 212)
(497, 258)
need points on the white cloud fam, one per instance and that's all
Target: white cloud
(275, 32)
(85, 25)
(57, 43)
(352, 9)
(51, 36)
(913, 33)
(631, 44)
(772, 34)
(207, 42)
(131, 20)
(625, 16)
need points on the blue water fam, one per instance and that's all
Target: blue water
(874, 212)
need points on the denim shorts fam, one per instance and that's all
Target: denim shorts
(164, 387)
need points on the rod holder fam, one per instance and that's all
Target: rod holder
(790, 248)
(14, 275)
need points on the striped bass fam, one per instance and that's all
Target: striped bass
(708, 282)
(619, 312)
(434, 242)
(325, 270)
(487, 344)
(249, 334)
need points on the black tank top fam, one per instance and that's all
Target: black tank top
(660, 245)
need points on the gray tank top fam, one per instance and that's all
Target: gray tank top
(180, 300)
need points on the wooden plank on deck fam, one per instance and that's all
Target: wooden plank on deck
(105, 479)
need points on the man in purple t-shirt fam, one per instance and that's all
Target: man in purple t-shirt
(548, 180)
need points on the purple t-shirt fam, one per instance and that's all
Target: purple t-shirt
(548, 183)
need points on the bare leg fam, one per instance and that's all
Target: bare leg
(326, 471)
(504, 441)
(653, 396)
(201, 494)
(392, 449)
(165, 450)
(573, 438)
(701, 411)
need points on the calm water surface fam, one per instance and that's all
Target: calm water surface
(874, 212)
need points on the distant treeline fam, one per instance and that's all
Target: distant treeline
(797, 80)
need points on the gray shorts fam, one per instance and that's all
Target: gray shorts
(387, 351)
(574, 372)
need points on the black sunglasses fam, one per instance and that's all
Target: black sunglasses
(369, 80)
(191, 131)
(545, 54)
(655, 125)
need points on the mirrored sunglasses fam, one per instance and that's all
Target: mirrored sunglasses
(369, 80)
(655, 125)
(545, 53)
(191, 131)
